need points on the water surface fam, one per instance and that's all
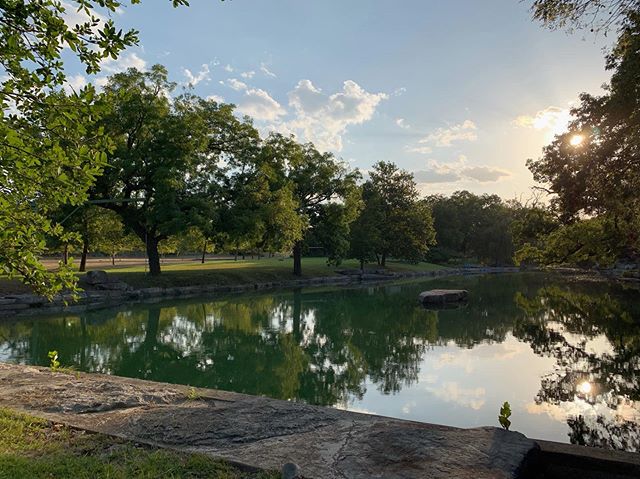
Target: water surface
(563, 352)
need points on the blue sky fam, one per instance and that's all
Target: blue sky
(460, 92)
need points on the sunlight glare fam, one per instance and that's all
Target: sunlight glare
(576, 140)
(584, 387)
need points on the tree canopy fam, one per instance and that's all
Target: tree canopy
(50, 149)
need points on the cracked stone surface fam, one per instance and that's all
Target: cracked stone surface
(262, 432)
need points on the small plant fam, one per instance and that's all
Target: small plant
(193, 395)
(505, 414)
(55, 364)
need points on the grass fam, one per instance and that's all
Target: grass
(226, 272)
(34, 448)
(230, 272)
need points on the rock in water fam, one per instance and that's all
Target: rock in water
(442, 296)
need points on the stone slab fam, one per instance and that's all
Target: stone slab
(262, 432)
(442, 296)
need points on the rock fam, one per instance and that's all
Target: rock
(101, 280)
(113, 286)
(291, 471)
(96, 277)
(442, 296)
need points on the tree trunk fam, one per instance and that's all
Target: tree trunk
(204, 251)
(153, 255)
(383, 260)
(297, 313)
(65, 254)
(362, 265)
(378, 259)
(113, 259)
(297, 258)
(85, 252)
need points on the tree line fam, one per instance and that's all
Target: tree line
(189, 164)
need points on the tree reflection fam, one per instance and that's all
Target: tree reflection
(595, 341)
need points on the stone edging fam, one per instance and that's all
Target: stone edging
(29, 304)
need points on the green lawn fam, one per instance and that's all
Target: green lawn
(229, 272)
(32, 448)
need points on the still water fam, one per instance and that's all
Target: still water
(564, 352)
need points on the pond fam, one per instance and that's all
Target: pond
(564, 352)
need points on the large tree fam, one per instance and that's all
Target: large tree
(162, 165)
(593, 170)
(403, 225)
(316, 180)
(50, 153)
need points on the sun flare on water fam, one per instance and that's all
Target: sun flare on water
(584, 387)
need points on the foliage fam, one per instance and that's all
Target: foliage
(53, 357)
(50, 149)
(315, 181)
(193, 395)
(473, 226)
(401, 226)
(596, 15)
(160, 158)
(505, 414)
(600, 176)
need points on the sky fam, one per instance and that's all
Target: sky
(459, 92)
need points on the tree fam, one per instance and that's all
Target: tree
(593, 170)
(315, 180)
(366, 230)
(596, 15)
(162, 158)
(406, 228)
(473, 226)
(50, 152)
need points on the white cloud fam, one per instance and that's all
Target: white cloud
(459, 170)
(399, 91)
(123, 62)
(236, 84)
(467, 397)
(259, 105)
(216, 98)
(248, 75)
(484, 174)
(443, 137)
(553, 120)
(402, 123)
(72, 16)
(228, 68)
(75, 83)
(324, 119)
(202, 75)
(264, 69)
(423, 149)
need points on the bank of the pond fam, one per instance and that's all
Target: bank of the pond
(261, 432)
(250, 432)
(20, 305)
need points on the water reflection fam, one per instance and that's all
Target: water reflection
(377, 348)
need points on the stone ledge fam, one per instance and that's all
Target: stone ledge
(265, 433)
(29, 305)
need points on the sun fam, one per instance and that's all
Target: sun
(584, 387)
(576, 140)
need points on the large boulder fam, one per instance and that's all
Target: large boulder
(101, 280)
(96, 277)
(443, 296)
